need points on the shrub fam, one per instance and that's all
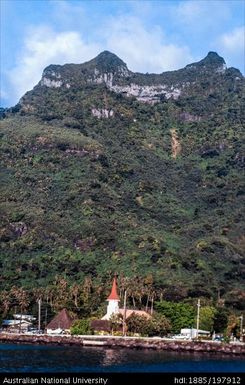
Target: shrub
(81, 327)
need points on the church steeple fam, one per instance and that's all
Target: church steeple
(114, 295)
(113, 301)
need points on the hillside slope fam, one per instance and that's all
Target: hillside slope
(107, 170)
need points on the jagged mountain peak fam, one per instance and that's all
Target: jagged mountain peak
(107, 61)
(211, 61)
(213, 58)
(108, 56)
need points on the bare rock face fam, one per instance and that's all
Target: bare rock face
(148, 94)
(13, 231)
(145, 93)
(102, 113)
(19, 228)
(187, 117)
(175, 142)
(53, 79)
(51, 83)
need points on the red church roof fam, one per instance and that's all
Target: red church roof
(114, 294)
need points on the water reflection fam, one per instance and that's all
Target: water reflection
(111, 357)
(30, 358)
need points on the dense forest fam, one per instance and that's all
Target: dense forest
(94, 181)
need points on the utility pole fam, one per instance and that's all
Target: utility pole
(241, 328)
(39, 313)
(218, 298)
(46, 316)
(152, 301)
(198, 317)
(20, 324)
(124, 313)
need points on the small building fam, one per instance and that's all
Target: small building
(192, 333)
(101, 326)
(130, 312)
(26, 317)
(16, 326)
(61, 323)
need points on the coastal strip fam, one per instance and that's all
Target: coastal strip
(126, 342)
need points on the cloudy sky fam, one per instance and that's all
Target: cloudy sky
(150, 36)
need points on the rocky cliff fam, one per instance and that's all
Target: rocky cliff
(109, 70)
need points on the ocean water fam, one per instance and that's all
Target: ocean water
(20, 358)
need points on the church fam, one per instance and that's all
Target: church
(114, 309)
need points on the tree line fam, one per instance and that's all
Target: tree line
(88, 300)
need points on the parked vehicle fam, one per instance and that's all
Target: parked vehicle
(34, 331)
(218, 338)
(180, 337)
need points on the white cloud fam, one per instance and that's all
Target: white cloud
(3, 94)
(68, 15)
(189, 11)
(232, 47)
(233, 41)
(142, 49)
(42, 47)
(201, 15)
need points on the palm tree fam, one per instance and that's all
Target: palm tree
(22, 298)
(38, 293)
(75, 291)
(5, 301)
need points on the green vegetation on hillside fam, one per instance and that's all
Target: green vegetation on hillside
(83, 197)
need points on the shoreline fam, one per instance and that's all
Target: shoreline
(126, 342)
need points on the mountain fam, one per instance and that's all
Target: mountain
(106, 170)
(108, 70)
